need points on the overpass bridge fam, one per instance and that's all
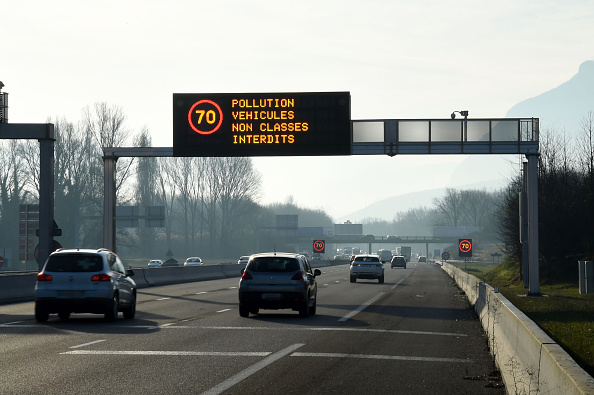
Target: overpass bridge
(358, 239)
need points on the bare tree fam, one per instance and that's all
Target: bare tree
(477, 206)
(146, 193)
(13, 191)
(167, 190)
(106, 124)
(450, 207)
(586, 145)
(189, 178)
(239, 188)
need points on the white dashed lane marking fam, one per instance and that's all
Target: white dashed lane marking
(87, 344)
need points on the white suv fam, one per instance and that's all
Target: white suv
(84, 281)
(367, 266)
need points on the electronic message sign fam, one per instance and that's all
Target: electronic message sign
(261, 124)
(465, 248)
(319, 246)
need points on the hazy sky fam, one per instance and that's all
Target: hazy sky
(399, 59)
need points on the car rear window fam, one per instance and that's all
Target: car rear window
(274, 264)
(367, 259)
(74, 263)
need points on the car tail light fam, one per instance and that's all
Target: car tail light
(298, 276)
(44, 277)
(246, 276)
(101, 277)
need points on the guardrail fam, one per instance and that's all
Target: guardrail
(530, 361)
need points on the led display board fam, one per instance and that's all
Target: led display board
(319, 246)
(261, 124)
(465, 248)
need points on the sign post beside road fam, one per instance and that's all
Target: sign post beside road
(465, 248)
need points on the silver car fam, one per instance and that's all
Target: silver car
(84, 281)
(193, 261)
(367, 266)
(278, 281)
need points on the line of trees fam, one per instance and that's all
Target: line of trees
(456, 208)
(565, 204)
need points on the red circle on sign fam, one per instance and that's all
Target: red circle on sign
(465, 245)
(220, 113)
(319, 245)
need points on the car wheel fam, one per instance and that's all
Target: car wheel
(112, 312)
(130, 312)
(64, 315)
(304, 310)
(244, 311)
(41, 314)
(312, 309)
(255, 310)
(353, 279)
(381, 279)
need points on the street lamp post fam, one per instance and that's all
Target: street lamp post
(465, 128)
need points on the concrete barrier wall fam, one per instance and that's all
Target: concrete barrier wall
(20, 287)
(529, 360)
(17, 287)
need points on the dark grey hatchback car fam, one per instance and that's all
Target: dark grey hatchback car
(278, 281)
(398, 261)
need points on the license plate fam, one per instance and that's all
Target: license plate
(272, 296)
(71, 294)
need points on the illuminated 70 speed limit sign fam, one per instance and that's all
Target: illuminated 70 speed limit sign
(319, 246)
(465, 248)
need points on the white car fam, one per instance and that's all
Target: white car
(155, 263)
(368, 266)
(193, 261)
(243, 260)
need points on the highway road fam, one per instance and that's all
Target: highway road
(414, 334)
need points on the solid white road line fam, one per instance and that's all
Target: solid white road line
(323, 329)
(392, 357)
(230, 382)
(169, 353)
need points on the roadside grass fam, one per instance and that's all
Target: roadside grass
(562, 312)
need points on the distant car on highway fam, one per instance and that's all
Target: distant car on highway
(398, 261)
(422, 259)
(278, 280)
(84, 281)
(243, 260)
(155, 263)
(368, 266)
(193, 261)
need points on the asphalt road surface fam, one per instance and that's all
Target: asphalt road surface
(414, 334)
